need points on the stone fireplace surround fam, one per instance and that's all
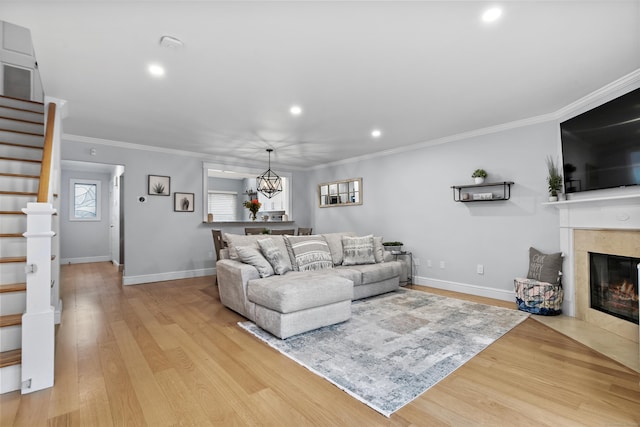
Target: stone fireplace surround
(609, 223)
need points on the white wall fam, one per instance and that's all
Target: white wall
(161, 244)
(84, 241)
(408, 197)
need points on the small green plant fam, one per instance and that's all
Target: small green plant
(479, 173)
(554, 180)
(158, 188)
(265, 231)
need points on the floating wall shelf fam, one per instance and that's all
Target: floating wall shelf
(473, 195)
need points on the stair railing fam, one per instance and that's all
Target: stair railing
(38, 321)
(47, 154)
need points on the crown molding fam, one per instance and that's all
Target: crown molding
(228, 161)
(606, 93)
(610, 91)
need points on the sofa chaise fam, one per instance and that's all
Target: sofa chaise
(293, 284)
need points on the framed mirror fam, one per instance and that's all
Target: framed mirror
(347, 192)
(226, 188)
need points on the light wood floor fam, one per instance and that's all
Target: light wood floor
(169, 354)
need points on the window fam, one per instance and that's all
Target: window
(85, 200)
(223, 205)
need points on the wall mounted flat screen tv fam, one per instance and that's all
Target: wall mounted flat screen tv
(601, 147)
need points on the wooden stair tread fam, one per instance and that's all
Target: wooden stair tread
(12, 213)
(10, 259)
(22, 100)
(10, 358)
(19, 175)
(22, 132)
(10, 320)
(10, 235)
(17, 159)
(15, 144)
(22, 109)
(18, 193)
(13, 287)
(22, 120)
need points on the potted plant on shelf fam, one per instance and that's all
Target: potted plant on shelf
(393, 247)
(479, 175)
(554, 179)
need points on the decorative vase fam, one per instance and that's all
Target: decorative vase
(553, 198)
(478, 180)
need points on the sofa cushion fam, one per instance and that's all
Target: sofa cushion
(274, 255)
(235, 240)
(334, 240)
(544, 267)
(358, 250)
(251, 255)
(310, 252)
(371, 273)
(299, 290)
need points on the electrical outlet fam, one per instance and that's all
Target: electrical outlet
(429, 264)
(480, 269)
(416, 261)
(442, 264)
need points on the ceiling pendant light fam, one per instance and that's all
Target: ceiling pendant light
(269, 183)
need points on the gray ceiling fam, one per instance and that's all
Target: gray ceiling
(417, 70)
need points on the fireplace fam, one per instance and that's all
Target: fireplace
(614, 285)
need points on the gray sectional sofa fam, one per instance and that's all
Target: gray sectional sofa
(319, 277)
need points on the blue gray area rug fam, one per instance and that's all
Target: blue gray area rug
(397, 345)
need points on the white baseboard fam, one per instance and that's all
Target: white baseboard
(171, 275)
(104, 258)
(465, 288)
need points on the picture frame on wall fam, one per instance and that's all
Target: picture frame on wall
(183, 202)
(159, 185)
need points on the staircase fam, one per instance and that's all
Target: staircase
(21, 149)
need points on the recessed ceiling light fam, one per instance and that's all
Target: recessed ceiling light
(376, 133)
(492, 14)
(296, 110)
(156, 70)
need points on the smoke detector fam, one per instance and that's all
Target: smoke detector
(170, 42)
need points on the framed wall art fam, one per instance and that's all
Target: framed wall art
(159, 185)
(183, 202)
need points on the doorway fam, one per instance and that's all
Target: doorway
(95, 239)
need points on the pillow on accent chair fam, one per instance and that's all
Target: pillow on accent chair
(274, 255)
(309, 252)
(252, 256)
(544, 267)
(358, 250)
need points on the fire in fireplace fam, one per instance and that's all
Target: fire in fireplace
(614, 285)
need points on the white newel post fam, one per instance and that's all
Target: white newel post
(38, 345)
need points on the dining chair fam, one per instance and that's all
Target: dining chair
(302, 231)
(290, 231)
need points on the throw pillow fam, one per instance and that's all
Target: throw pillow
(544, 267)
(275, 257)
(334, 240)
(252, 256)
(378, 249)
(309, 252)
(358, 250)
